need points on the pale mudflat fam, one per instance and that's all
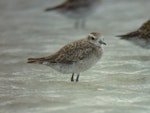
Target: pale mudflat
(118, 83)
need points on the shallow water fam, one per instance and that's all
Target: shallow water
(118, 83)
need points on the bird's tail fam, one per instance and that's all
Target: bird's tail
(54, 8)
(49, 9)
(129, 35)
(36, 60)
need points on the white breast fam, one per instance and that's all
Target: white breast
(141, 42)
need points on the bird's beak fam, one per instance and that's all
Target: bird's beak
(101, 42)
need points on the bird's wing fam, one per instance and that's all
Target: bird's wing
(62, 5)
(142, 32)
(75, 4)
(70, 4)
(72, 52)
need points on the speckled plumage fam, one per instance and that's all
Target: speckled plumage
(76, 9)
(140, 37)
(76, 56)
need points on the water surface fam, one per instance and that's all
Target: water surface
(118, 83)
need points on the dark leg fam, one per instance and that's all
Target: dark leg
(72, 77)
(83, 23)
(77, 79)
(77, 22)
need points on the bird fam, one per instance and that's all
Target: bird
(140, 37)
(76, 56)
(79, 10)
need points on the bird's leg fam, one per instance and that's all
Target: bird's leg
(77, 22)
(77, 79)
(72, 77)
(83, 23)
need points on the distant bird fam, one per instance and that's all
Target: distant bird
(75, 57)
(140, 37)
(79, 10)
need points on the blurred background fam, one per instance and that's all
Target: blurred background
(118, 83)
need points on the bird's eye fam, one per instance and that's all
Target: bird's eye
(92, 38)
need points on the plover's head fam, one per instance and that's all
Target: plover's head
(96, 38)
